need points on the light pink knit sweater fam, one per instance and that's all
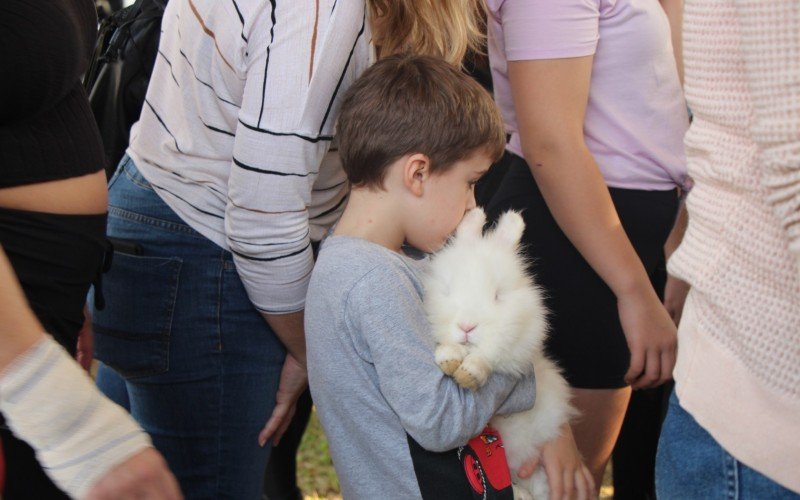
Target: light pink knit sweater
(738, 370)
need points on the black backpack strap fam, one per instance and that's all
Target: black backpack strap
(110, 38)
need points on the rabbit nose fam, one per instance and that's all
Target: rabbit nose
(466, 328)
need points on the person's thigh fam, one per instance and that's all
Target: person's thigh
(252, 358)
(691, 465)
(206, 410)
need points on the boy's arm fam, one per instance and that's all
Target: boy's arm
(434, 410)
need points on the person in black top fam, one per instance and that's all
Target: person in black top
(53, 197)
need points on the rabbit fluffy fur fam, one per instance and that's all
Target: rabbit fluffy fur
(487, 316)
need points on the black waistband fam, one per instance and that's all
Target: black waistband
(88, 224)
(56, 258)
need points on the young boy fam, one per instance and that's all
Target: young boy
(415, 136)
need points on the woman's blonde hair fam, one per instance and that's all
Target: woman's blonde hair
(442, 28)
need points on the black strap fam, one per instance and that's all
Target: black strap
(112, 35)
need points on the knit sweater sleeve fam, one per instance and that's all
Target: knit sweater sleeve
(770, 42)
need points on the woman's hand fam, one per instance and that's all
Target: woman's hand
(567, 476)
(294, 380)
(651, 336)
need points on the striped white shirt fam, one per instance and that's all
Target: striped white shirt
(237, 124)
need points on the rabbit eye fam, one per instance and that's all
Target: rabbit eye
(496, 296)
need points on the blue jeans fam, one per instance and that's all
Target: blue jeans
(200, 364)
(692, 465)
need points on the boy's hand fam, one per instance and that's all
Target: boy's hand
(294, 380)
(651, 336)
(567, 476)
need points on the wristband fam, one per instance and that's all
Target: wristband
(78, 435)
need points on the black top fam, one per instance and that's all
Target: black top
(47, 130)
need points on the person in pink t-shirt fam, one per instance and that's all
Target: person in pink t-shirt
(592, 102)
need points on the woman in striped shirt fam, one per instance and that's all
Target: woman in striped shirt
(229, 178)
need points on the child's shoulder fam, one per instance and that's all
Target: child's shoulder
(346, 262)
(342, 250)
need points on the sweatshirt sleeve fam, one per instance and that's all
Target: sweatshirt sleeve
(433, 409)
(770, 44)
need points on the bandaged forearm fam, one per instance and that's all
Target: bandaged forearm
(78, 434)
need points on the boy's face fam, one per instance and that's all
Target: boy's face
(448, 196)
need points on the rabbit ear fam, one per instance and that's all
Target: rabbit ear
(509, 229)
(471, 225)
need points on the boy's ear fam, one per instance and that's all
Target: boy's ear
(416, 171)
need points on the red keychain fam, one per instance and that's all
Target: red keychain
(485, 463)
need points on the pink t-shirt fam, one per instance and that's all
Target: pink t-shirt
(636, 115)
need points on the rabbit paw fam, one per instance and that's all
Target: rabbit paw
(472, 373)
(449, 357)
(449, 366)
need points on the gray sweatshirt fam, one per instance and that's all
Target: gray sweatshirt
(379, 394)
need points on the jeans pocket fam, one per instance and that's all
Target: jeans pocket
(132, 332)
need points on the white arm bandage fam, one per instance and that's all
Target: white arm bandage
(79, 435)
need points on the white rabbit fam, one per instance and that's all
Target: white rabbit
(487, 316)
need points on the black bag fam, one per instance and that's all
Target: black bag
(116, 82)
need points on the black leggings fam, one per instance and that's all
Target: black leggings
(56, 259)
(586, 337)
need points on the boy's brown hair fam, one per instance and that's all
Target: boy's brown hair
(415, 104)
